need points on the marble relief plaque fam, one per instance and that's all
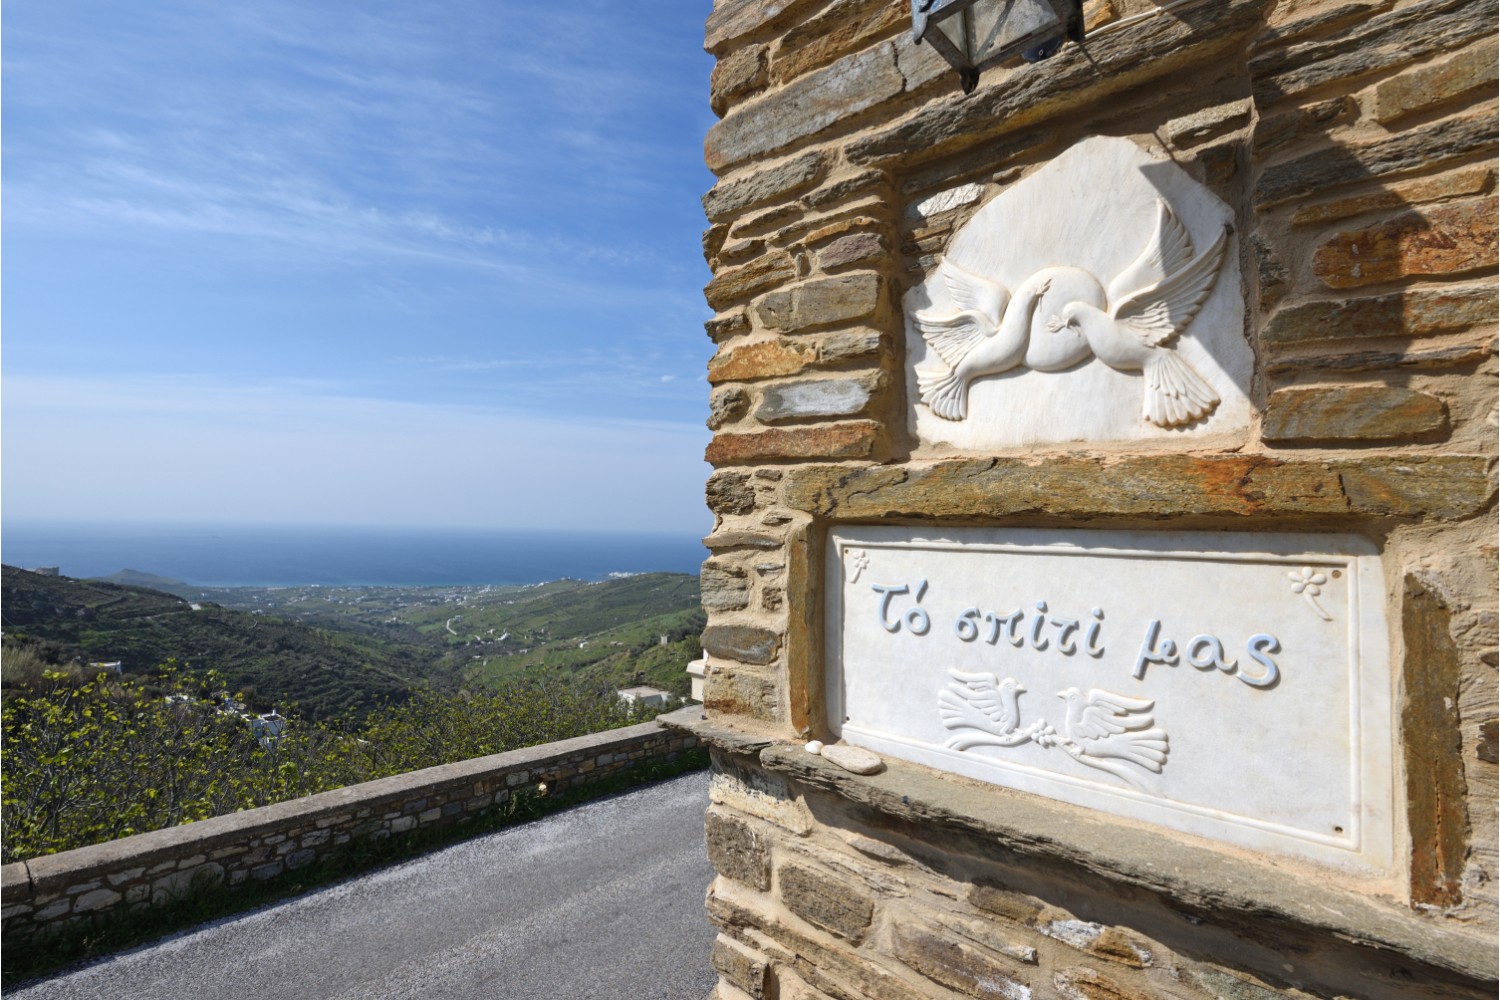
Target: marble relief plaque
(1231, 685)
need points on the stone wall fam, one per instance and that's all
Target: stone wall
(157, 869)
(1354, 144)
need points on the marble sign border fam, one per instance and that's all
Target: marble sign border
(1367, 846)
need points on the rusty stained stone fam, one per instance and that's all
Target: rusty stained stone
(751, 691)
(1445, 239)
(762, 274)
(1419, 312)
(1352, 413)
(1435, 787)
(744, 643)
(825, 901)
(1148, 486)
(762, 359)
(1469, 180)
(1431, 85)
(956, 965)
(850, 439)
(1088, 984)
(1419, 148)
(841, 28)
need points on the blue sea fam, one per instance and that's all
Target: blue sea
(263, 556)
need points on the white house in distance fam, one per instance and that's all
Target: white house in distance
(646, 697)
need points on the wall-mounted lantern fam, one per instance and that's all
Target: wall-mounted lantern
(967, 32)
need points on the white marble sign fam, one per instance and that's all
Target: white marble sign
(1231, 685)
(1098, 299)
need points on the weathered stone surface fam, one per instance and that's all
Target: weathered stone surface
(804, 107)
(1431, 85)
(1435, 785)
(1088, 984)
(98, 899)
(721, 328)
(732, 284)
(1210, 123)
(831, 903)
(713, 240)
(746, 643)
(1368, 45)
(730, 493)
(1003, 902)
(1109, 943)
(957, 965)
(740, 73)
(851, 249)
(726, 405)
(839, 28)
(1417, 148)
(739, 251)
(1419, 312)
(730, 198)
(1156, 486)
(743, 967)
(848, 345)
(1098, 13)
(863, 184)
(1009, 101)
(821, 301)
(736, 851)
(814, 398)
(852, 439)
(751, 691)
(1351, 413)
(1459, 356)
(724, 588)
(1223, 986)
(1444, 239)
(856, 760)
(723, 540)
(761, 359)
(1275, 131)
(733, 19)
(1468, 180)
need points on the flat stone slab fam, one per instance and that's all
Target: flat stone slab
(1231, 685)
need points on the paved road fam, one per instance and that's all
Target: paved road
(601, 901)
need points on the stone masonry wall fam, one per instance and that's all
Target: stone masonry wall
(156, 869)
(1355, 141)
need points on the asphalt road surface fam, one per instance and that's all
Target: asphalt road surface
(601, 901)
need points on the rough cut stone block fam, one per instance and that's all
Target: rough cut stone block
(724, 588)
(721, 328)
(841, 28)
(736, 851)
(733, 19)
(1415, 149)
(1275, 131)
(762, 359)
(1419, 312)
(1444, 239)
(812, 398)
(745, 643)
(804, 107)
(732, 197)
(727, 404)
(1468, 180)
(1431, 85)
(730, 493)
(740, 73)
(735, 283)
(98, 899)
(821, 301)
(744, 967)
(1368, 45)
(956, 965)
(1352, 413)
(833, 904)
(854, 439)
(1210, 123)
(851, 249)
(1087, 984)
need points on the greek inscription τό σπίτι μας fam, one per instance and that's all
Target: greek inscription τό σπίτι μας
(1165, 676)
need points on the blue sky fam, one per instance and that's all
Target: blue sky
(369, 263)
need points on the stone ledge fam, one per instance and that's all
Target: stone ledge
(1436, 487)
(1184, 876)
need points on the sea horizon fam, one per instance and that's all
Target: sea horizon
(260, 555)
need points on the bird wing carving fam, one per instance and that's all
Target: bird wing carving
(970, 291)
(1112, 727)
(983, 693)
(1156, 314)
(981, 711)
(1169, 251)
(1104, 714)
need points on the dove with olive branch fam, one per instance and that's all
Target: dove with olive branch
(1131, 326)
(1110, 732)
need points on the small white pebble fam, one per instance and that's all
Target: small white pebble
(814, 746)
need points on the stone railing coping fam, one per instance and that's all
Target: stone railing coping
(21, 880)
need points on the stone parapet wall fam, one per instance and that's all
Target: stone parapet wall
(157, 869)
(1354, 145)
